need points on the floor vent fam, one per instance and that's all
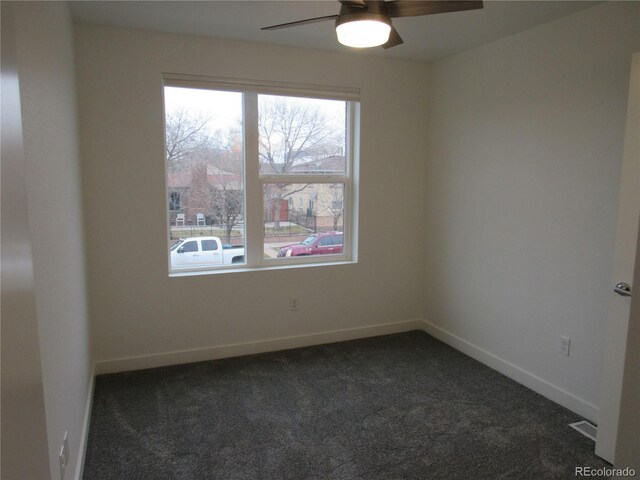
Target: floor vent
(585, 428)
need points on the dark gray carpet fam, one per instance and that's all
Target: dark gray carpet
(402, 406)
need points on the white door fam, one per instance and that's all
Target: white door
(624, 260)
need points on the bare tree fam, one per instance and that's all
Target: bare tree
(336, 207)
(226, 165)
(332, 204)
(191, 152)
(184, 136)
(290, 133)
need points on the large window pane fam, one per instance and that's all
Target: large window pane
(301, 136)
(205, 177)
(303, 219)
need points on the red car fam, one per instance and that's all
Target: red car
(318, 244)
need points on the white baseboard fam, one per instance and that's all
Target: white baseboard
(518, 374)
(535, 383)
(84, 436)
(248, 348)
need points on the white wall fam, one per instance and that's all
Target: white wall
(136, 309)
(526, 138)
(47, 71)
(24, 431)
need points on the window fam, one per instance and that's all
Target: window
(308, 241)
(209, 245)
(189, 247)
(324, 241)
(174, 201)
(269, 166)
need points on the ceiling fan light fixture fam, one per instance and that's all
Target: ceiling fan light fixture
(363, 33)
(367, 23)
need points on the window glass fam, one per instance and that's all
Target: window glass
(174, 201)
(285, 226)
(208, 245)
(324, 241)
(190, 247)
(301, 136)
(309, 240)
(205, 167)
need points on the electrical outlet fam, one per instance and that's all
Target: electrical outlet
(293, 303)
(564, 346)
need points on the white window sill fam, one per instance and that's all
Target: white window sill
(261, 268)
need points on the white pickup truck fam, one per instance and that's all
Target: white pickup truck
(196, 252)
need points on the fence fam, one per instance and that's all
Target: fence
(300, 224)
(237, 234)
(305, 219)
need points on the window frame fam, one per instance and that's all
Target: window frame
(254, 181)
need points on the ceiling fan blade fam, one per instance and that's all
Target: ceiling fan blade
(354, 3)
(414, 8)
(301, 22)
(394, 39)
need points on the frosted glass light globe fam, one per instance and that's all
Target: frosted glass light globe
(363, 33)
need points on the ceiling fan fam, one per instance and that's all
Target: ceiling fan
(367, 23)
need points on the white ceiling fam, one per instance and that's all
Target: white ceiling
(426, 38)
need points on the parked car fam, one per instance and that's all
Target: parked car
(194, 252)
(318, 244)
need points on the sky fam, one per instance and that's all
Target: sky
(225, 108)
